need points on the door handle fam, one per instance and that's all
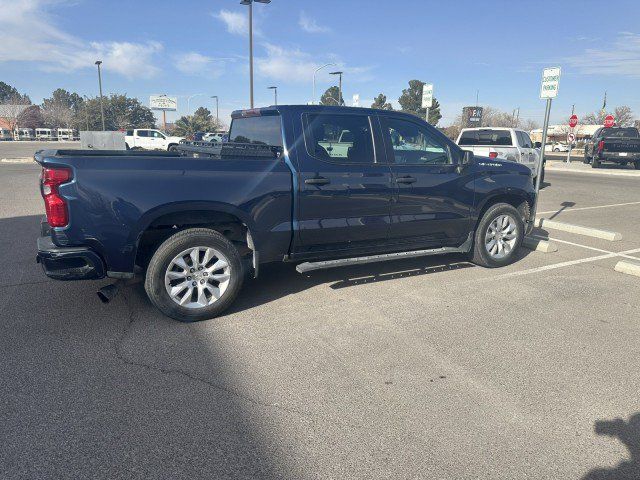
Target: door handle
(317, 181)
(406, 180)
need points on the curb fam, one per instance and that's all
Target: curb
(17, 160)
(630, 268)
(591, 171)
(539, 245)
(587, 231)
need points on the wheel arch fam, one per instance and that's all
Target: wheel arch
(519, 200)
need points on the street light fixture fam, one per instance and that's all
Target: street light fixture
(339, 86)
(217, 116)
(250, 4)
(98, 63)
(313, 99)
(275, 93)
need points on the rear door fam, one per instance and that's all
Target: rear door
(344, 184)
(527, 154)
(432, 199)
(142, 139)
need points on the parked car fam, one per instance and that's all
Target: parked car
(214, 137)
(504, 143)
(45, 134)
(196, 225)
(150, 139)
(23, 134)
(615, 144)
(556, 147)
(5, 134)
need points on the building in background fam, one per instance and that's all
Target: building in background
(558, 133)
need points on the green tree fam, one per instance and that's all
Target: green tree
(330, 97)
(9, 94)
(61, 110)
(200, 121)
(120, 112)
(411, 102)
(380, 102)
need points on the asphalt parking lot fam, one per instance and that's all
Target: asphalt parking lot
(423, 368)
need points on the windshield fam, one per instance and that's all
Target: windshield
(485, 137)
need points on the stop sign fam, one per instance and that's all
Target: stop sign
(609, 121)
(573, 121)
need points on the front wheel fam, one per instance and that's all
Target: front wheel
(636, 165)
(194, 275)
(498, 236)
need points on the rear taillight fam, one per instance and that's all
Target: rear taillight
(600, 146)
(54, 204)
(493, 154)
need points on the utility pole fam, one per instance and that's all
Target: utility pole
(98, 63)
(313, 99)
(275, 94)
(217, 114)
(250, 4)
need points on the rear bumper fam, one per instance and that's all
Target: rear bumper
(69, 263)
(616, 157)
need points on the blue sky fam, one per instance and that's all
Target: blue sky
(192, 47)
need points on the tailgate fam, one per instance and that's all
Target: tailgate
(616, 145)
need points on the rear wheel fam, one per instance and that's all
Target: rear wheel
(498, 236)
(194, 275)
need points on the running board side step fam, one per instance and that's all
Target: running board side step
(310, 266)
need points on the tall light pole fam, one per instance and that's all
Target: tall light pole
(189, 102)
(339, 86)
(275, 93)
(217, 115)
(98, 63)
(250, 4)
(86, 110)
(313, 99)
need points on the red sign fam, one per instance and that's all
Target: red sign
(609, 121)
(573, 121)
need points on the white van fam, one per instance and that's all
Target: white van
(65, 134)
(23, 134)
(44, 134)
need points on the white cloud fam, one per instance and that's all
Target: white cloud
(309, 25)
(295, 66)
(29, 34)
(194, 63)
(236, 23)
(620, 58)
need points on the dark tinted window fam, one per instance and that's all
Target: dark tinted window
(261, 130)
(620, 132)
(130, 133)
(339, 138)
(143, 133)
(414, 144)
(485, 137)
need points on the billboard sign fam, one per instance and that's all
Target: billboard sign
(471, 117)
(162, 102)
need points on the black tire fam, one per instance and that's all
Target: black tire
(595, 163)
(127, 147)
(586, 159)
(173, 148)
(193, 237)
(479, 254)
(636, 165)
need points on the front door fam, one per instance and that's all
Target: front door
(344, 188)
(433, 200)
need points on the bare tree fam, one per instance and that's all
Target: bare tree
(623, 117)
(12, 108)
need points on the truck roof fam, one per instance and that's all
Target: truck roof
(293, 109)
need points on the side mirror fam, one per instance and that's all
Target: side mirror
(537, 144)
(467, 157)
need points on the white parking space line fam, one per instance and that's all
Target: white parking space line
(571, 209)
(620, 254)
(568, 263)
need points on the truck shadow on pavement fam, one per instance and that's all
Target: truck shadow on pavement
(628, 432)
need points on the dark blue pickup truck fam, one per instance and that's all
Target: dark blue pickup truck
(319, 186)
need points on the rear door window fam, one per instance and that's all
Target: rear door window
(143, 133)
(339, 138)
(263, 130)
